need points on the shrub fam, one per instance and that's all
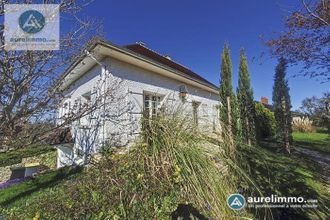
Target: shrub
(265, 122)
(303, 125)
(169, 168)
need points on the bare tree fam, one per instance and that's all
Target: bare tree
(26, 77)
(306, 39)
(318, 109)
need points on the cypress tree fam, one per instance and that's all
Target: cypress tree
(227, 99)
(282, 106)
(245, 102)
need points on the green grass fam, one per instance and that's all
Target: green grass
(274, 172)
(314, 141)
(16, 156)
(170, 169)
(18, 194)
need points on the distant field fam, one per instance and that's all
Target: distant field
(16, 156)
(314, 141)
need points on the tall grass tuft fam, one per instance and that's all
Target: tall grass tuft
(303, 125)
(182, 155)
(172, 164)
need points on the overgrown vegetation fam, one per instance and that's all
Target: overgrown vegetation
(280, 174)
(303, 125)
(174, 167)
(265, 122)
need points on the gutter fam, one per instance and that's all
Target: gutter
(137, 56)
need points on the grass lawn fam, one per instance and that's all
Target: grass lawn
(16, 156)
(275, 172)
(18, 194)
(272, 172)
(314, 141)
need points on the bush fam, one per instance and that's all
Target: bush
(170, 168)
(303, 125)
(265, 122)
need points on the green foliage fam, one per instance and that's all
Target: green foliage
(265, 122)
(17, 194)
(282, 106)
(149, 182)
(318, 110)
(16, 156)
(245, 102)
(228, 100)
(273, 172)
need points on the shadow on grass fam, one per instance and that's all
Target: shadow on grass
(321, 146)
(281, 174)
(17, 192)
(187, 211)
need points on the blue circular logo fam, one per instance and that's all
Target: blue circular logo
(236, 201)
(31, 21)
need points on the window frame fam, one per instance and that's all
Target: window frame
(153, 104)
(195, 107)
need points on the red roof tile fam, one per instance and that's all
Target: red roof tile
(142, 50)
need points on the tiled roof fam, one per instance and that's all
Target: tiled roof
(155, 57)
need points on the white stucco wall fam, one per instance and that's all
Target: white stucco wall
(118, 122)
(64, 156)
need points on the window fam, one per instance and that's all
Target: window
(152, 104)
(195, 106)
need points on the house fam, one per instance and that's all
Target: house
(115, 86)
(297, 117)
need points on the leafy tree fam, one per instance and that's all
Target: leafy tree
(245, 102)
(228, 108)
(306, 39)
(265, 122)
(318, 109)
(282, 106)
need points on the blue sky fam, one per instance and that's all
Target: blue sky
(193, 32)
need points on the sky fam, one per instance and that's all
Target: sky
(193, 33)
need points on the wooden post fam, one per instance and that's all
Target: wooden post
(230, 131)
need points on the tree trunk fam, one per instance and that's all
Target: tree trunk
(285, 127)
(248, 132)
(230, 130)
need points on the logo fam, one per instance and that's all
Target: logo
(31, 21)
(236, 201)
(32, 27)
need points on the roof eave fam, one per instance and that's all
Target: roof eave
(128, 52)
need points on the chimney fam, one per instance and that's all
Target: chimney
(141, 43)
(264, 100)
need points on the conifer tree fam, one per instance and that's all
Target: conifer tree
(282, 106)
(227, 101)
(245, 102)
